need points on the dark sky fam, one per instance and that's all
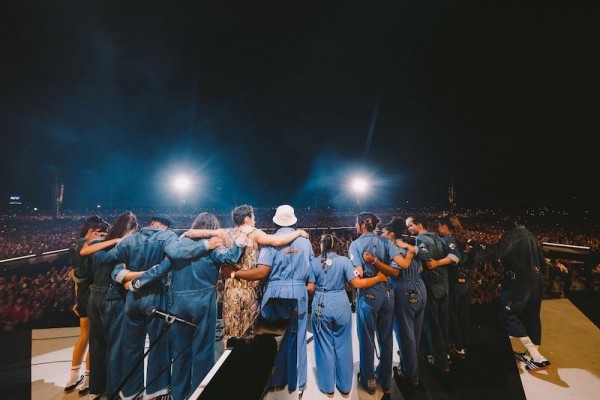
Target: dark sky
(267, 102)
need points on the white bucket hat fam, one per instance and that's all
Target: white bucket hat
(284, 216)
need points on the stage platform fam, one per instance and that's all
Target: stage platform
(570, 340)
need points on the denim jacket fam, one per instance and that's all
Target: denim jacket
(190, 272)
(148, 248)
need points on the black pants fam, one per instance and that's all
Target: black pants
(521, 300)
(461, 295)
(435, 326)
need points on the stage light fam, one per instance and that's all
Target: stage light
(182, 183)
(359, 185)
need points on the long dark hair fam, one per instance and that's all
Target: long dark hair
(124, 223)
(327, 245)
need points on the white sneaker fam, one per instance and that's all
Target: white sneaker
(73, 383)
(84, 386)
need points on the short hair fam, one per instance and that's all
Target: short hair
(206, 221)
(396, 226)
(418, 221)
(240, 213)
(447, 222)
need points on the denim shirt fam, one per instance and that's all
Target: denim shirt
(290, 262)
(148, 248)
(381, 248)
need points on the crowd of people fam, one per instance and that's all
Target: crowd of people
(112, 265)
(41, 301)
(22, 235)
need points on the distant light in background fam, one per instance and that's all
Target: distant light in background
(182, 183)
(359, 185)
(98, 206)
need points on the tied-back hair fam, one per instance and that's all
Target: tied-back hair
(370, 220)
(327, 245)
(124, 223)
(206, 221)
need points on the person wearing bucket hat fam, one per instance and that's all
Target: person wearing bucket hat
(289, 275)
(284, 216)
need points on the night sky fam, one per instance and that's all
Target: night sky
(270, 102)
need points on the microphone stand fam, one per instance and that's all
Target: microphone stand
(169, 320)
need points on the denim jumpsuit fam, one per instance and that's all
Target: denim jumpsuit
(409, 311)
(140, 252)
(106, 309)
(192, 296)
(332, 323)
(374, 313)
(289, 273)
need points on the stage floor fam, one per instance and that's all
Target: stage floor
(570, 341)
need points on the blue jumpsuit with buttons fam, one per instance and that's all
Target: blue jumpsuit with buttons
(374, 313)
(409, 311)
(332, 323)
(289, 273)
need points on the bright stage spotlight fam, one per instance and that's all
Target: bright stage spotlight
(182, 183)
(359, 186)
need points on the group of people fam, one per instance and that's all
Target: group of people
(407, 291)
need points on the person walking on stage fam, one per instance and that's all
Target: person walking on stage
(522, 288)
